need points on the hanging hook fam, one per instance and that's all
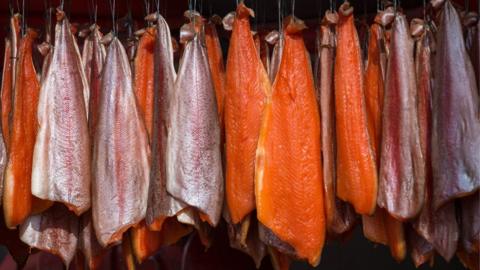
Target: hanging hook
(279, 4)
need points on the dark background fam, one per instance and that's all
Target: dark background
(354, 253)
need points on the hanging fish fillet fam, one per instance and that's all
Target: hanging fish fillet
(438, 227)
(93, 56)
(275, 39)
(61, 157)
(380, 227)
(120, 153)
(455, 117)
(340, 216)
(469, 260)
(194, 161)
(161, 204)
(356, 170)
(421, 250)
(288, 176)
(215, 61)
(402, 166)
(247, 86)
(8, 78)
(144, 241)
(18, 201)
(143, 77)
(54, 231)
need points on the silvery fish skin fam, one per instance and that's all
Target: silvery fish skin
(194, 161)
(54, 231)
(402, 170)
(455, 117)
(93, 56)
(120, 152)
(61, 158)
(436, 226)
(160, 203)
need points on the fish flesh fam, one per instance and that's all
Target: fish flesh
(93, 56)
(145, 241)
(247, 86)
(340, 216)
(143, 77)
(288, 169)
(275, 39)
(61, 156)
(215, 62)
(54, 231)
(438, 227)
(121, 155)
(9, 76)
(18, 201)
(455, 114)
(161, 204)
(356, 170)
(380, 227)
(194, 160)
(402, 166)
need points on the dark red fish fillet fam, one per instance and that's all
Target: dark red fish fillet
(456, 122)
(402, 169)
(421, 250)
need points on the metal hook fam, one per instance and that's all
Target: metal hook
(24, 20)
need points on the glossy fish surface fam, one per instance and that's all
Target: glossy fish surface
(18, 201)
(120, 153)
(61, 157)
(247, 86)
(194, 161)
(93, 56)
(288, 176)
(455, 114)
(356, 170)
(402, 168)
(340, 216)
(54, 231)
(160, 203)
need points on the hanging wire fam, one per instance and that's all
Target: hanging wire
(24, 19)
(62, 3)
(10, 7)
(467, 5)
(279, 4)
(112, 10)
(255, 19)
(424, 10)
(293, 8)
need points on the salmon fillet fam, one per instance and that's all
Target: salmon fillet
(288, 176)
(247, 86)
(356, 170)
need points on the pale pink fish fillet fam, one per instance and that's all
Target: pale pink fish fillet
(61, 159)
(120, 153)
(54, 231)
(194, 161)
(160, 203)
